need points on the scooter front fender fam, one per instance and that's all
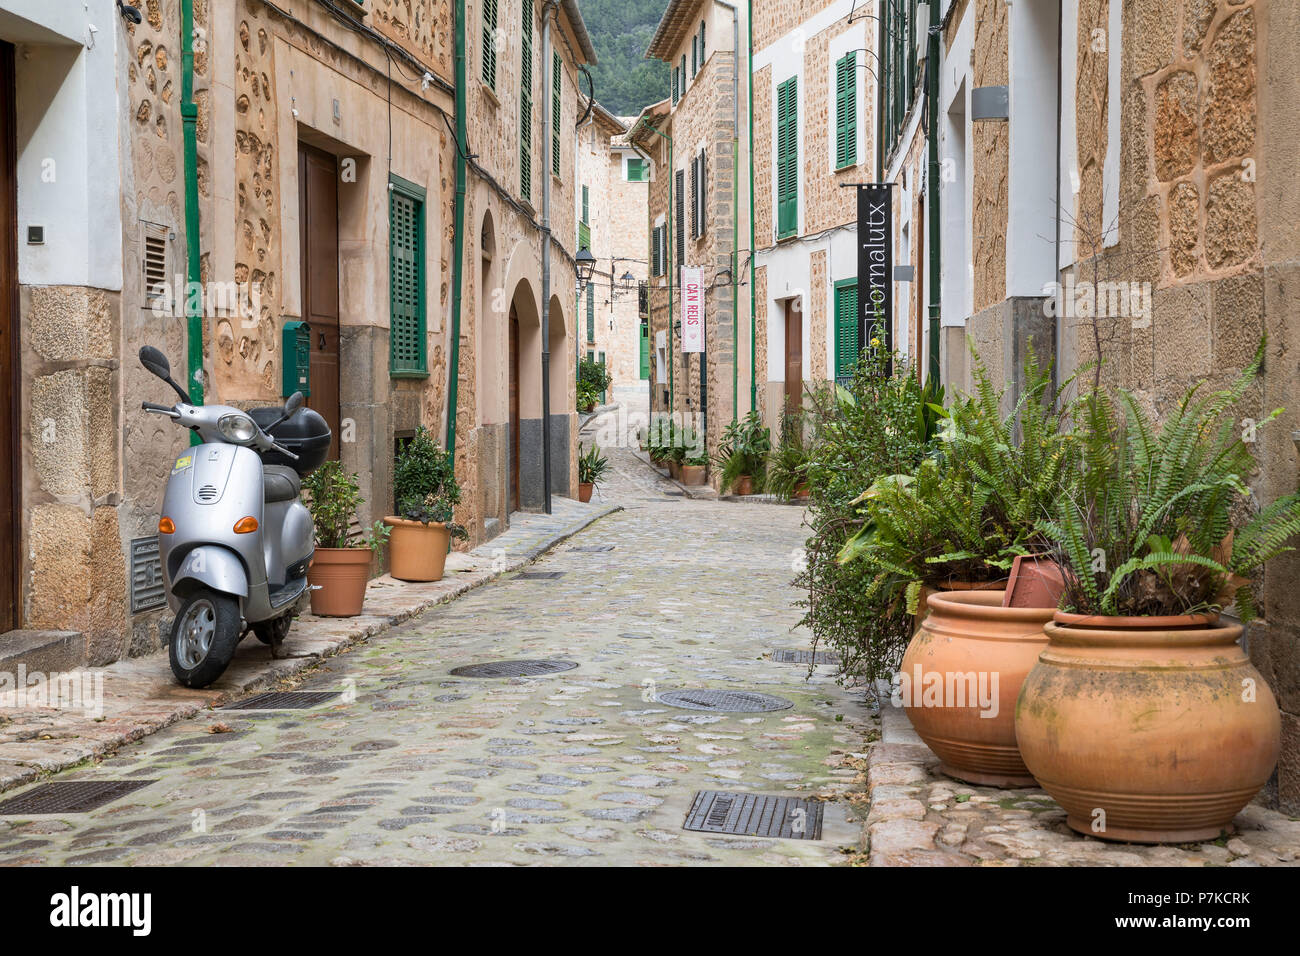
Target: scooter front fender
(210, 566)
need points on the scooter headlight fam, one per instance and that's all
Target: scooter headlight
(239, 429)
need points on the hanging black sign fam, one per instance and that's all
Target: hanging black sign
(876, 268)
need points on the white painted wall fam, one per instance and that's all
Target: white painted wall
(1031, 193)
(69, 167)
(852, 39)
(956, 178)
(1069, 132)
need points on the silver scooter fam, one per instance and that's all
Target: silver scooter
(234, 537)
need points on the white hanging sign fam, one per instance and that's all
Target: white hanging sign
(692, 288)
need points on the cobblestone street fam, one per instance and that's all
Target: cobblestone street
(415, 765)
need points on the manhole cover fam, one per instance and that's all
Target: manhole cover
(539, 575)
(736, 701)
(514, 668)
(792, 656)
(73, 796)
(283, 700)
(591, 548)
(754, 814)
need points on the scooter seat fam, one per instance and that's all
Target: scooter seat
(280, 483)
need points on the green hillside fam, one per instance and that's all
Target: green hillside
(620, 31)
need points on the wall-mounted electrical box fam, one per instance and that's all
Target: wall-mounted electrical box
(296, 344)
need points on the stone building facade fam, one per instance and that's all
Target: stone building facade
(613, 186)
(699, 135)
(1153, 226)
(317, 127)
(811, 70)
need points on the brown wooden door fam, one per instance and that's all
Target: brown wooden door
(318, 215)
(793, 355)
(10, 472)
(512, 503)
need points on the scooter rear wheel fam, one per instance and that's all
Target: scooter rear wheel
(204, 637)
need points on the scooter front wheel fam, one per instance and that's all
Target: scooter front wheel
(204, 637)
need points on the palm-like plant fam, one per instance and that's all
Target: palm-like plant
(1152, 528)
(743, 451)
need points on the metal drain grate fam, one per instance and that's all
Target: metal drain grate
(592, 548)
(514, 668)
(735, 701)
(73, 796)
(754, 814)
(284, 700)
(792, 656)
(539, 575)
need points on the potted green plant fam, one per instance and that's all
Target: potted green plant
(1144, 718)
(426, 492)
(742, 454)
(946, 534)
(695, 469)
(594, 380)
(592, 466)
(788, 461)
(340, 567)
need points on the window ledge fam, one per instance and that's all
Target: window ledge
(407, 373)
(489, 93)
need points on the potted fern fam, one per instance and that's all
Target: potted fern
(426, 492)
(340, 567)
(788, 462)
(1144, 717)
(742, 455)
(942, 539)
(592, 466)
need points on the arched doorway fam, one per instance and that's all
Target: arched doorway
(524, 486)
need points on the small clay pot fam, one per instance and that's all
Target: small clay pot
(744, 485)
(338, 578)
(693, 474)
(585, 489)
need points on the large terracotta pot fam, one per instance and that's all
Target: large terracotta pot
(674, 469)
(1148, 735)
(744, 485)
(338, 577)
(960, 679)
(693, 474)
(417, 551)
(585, 488)
(923, 602)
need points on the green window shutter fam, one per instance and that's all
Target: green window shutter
(555, 112)
(489, 43)
(787, 158)
(846, 327)
(584, 236)
(591, 313)
(702, 57)
(635, 169)
(680, 212)
(676, 90)
(604, 397)
(526, 105)
(683, 74)
(406, 332)
(586, 208)
(846, 111)
(645, 349)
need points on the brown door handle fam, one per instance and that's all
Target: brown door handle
(322, 341)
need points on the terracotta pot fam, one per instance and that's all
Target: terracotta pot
(1034, 582)
(674, 469)
(1148, 735)
(341, 575)
(923, 602)
(1169, 622)
(693, 474)
(801, 491)
(417, 551)
(585, 489)
(744, 485)
(960, 679)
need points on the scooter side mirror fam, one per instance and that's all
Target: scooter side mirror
(155, 362)
(291, 406)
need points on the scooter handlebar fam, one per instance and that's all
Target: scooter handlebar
(159, 409)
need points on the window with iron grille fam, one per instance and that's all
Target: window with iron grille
(677, 90)
(683, 74)
(846, 111)
(900, 68)
(526, 104)
(787, 158)
(406, 329)
(702, 193)
(591, 312)
(695, 197)
(490, 43)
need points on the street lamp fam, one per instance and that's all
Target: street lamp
(584, 264)
(628, 281)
